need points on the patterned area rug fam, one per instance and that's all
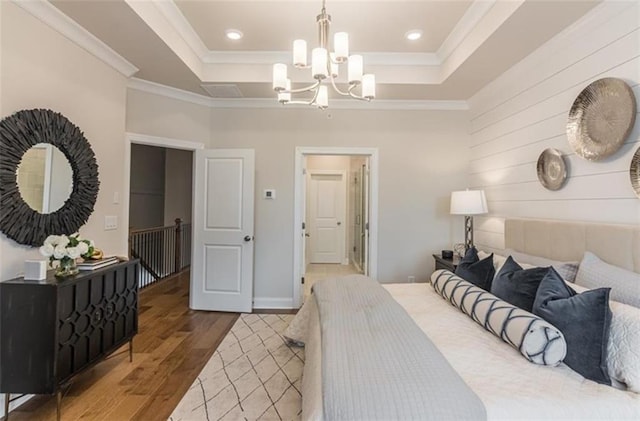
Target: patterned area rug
(253, 375)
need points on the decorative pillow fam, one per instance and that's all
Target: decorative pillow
(623, 347)
(584, 319)
(624, 284)
(539, 341)
(516, 285)
(498, 260)
(478, 272)
(567, 270)
(296, 332)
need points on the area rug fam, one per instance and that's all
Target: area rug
(253, 375)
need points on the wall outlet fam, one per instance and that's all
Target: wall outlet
(110, 223)
(411, 279)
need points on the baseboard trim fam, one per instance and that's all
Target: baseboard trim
(269, 303)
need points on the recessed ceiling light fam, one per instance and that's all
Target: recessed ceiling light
(413, 35)
(233, 34)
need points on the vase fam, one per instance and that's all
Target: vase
(66, 267)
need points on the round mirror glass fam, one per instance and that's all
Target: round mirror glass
(45, 178)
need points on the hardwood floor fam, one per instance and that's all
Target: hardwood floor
(172, 346)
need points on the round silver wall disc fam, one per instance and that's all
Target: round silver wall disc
(601, 118)
(551, 168)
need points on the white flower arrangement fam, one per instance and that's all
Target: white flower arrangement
(66, 249)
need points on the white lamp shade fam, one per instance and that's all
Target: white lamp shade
(333, 65)
(341, 45)
(355, 69)
(300, 53)
(468, 202)
(369, 86)
(323, 97)
(319, 63)
(279, 76)
(285, 96)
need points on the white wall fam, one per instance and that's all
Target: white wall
(423, 157)
(42, 69)
(524, 111)
(166, 117)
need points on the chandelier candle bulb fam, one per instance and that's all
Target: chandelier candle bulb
(279, 77)
(285, 96)
(355, 69)
(300, 53)
(323, 97)
(341, 46)
(333, 65)
(369, 86)
(319, 63)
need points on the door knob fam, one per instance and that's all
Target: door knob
(248, 238)
(306, 234)
(339, 223)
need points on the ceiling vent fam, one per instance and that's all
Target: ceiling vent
(228, 90)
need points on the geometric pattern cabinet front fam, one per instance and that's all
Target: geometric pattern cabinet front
(51, 330)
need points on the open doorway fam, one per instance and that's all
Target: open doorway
(335, 215)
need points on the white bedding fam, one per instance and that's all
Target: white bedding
(510, 387)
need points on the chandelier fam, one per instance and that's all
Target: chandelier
(324, 69)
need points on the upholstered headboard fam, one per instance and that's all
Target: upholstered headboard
(567, 241)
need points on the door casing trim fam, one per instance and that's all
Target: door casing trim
(299, 178)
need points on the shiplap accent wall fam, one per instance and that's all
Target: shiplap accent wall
(524, 111)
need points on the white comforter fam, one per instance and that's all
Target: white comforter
(510, 387)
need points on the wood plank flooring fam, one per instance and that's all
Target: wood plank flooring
(172, 346)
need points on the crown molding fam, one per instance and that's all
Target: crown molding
(172, 13)
(271, 57)
(466, 24)
(54, 18)
(338, 104)
(169, 92)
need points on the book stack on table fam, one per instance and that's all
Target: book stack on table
(98, 263)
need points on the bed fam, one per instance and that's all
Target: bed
(509, 386)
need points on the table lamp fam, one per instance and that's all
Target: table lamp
(468, 203)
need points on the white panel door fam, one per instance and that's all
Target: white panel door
(222, 266)
(327, 194)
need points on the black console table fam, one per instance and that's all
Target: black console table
(53, 329)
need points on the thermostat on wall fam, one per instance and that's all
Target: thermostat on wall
(269, 194)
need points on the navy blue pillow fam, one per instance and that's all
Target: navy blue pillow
(517, 286)
(584, 320)
(478, 272)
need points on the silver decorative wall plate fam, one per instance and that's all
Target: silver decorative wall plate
(601, 118)
(634, 172)
(551, 168)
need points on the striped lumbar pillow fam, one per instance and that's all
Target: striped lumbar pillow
(539, 341)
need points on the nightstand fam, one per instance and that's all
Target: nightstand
(448, 264)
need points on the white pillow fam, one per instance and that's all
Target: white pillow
(623, 348)
(624, 284)
(498, 261)
(567, 270)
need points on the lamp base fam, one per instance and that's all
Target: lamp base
(468, 232)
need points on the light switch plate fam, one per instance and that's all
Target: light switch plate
(110, 223)
(269, 194)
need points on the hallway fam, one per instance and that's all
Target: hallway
(317, 271)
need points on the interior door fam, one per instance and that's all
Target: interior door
(365, 217)
(222, 266)
(327, 212)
